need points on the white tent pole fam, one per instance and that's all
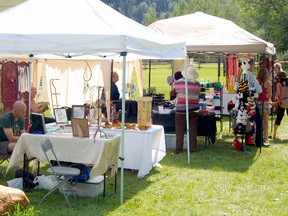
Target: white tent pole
(30, 77)
(187, 111)
(122, 127)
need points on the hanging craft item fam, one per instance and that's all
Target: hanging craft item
(87, 78)
(23, 80)
(232, 73)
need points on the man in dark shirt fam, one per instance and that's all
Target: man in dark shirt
(11, 127)
(114, 89)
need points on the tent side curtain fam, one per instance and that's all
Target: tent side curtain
(80, 79)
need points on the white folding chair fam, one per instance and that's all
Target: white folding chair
(61, 173)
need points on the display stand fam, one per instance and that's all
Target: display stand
(99, 114)
(212, 96)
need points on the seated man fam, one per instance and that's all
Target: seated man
(11, 127)
(115, 95)
(35, 108)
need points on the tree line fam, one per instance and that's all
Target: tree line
(267, 19)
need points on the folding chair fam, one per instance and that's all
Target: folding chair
(4, 158)
(61, 173)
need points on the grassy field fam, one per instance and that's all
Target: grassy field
(159, 74)
(218, 181)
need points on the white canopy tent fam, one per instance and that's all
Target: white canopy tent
(80, 27)
(206, 33)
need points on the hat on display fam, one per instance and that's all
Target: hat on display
(250, 99)
(240, 128)
(237, 145)
(170, 80)
(230, 106)
(243, 86)
(192, 74)
(249, 140)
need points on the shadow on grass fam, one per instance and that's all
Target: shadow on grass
(55, 203)
(279, 141)
(91, 206)
(219, 156)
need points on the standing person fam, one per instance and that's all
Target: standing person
(264, 98)
(34, 107)
(193, 106)
(280, 110)
(11, 127)
(277, 69)
(278, 74)
(114, 89)
(257, 118)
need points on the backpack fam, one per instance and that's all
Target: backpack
(283, 102)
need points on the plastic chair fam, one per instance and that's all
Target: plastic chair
(61, 173)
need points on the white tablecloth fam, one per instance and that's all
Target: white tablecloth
(101, 153)
(142, 149)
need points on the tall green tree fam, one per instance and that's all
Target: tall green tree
(183, 7)
(268, 19)
(150, 16)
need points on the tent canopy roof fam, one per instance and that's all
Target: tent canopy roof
(207, 33)
(79, 27)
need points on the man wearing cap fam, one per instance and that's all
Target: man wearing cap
(193, 106)
(11, 127)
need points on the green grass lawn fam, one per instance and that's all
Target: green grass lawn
(218, 181)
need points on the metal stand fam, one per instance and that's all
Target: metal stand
(98, 106)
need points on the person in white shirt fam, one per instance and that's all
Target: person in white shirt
(253, 84)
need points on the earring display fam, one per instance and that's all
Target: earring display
(144, 113)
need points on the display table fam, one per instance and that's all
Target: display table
(206, 124)
(100, 153)
(142, 149)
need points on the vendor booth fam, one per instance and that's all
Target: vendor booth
(97, 31)
(205, 33)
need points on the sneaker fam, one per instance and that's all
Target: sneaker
(176, 152)
(266, 145)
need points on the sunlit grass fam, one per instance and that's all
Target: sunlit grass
(218, 181)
